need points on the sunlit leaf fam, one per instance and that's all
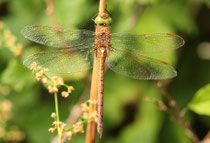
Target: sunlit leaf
(201, 101)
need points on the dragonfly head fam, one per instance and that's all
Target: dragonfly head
(103, 21)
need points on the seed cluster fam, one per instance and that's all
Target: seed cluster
(53, 82)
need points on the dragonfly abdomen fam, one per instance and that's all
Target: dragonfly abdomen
(100, 94)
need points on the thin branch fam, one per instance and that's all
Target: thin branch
(50, 12)
(176, 113)
(171, 102)
(136, 15)
(161, 106)
(102, 8)
(76, 112)
(57, 116)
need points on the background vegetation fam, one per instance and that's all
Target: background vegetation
(26, 106)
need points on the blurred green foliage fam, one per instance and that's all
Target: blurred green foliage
(127, 117)
(200, 102)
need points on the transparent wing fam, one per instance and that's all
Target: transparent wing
(62, 61)
(146, 43)
(138, 66)
(57, 37)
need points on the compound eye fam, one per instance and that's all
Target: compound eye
(103, 21)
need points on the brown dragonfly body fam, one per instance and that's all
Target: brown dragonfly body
(102, 45)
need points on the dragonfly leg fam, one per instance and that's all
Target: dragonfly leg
(94, 17)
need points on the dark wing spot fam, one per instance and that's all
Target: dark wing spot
(164, 62)
(170, 34)
(36, 25)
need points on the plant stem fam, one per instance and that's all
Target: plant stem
(57, 116)
(171, 101)
(91, 127)
(176, 114)
(50, 12)
(102, 7)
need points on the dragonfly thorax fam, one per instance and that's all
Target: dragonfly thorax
(102, 39)
(101, 52)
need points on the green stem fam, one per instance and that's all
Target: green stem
(57, 116)
(47, 77)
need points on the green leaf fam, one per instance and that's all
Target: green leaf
(17, 76)
(207, 2)
(147, 124)
(201, 101)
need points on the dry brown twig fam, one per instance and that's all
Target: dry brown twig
(91, 127)
(171, 102)
(174, 112)
(50, 12)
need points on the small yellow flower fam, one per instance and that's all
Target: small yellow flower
(55, 89)
(52, 89)
(39, 76)
(19, 49)
(44, 80)
(85, 107)
(51, 130)
(5, 110)
(33, 67)
(7, 34)
(42, 72)
(64, 94)
(60, 81)
(70, 88)
(55, 79)
(53, 115)
(6, 106)
(78, 128)
(10, 40)
(85, 115)
(57, 124)
(69, 135)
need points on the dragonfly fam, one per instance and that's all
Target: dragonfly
(124, 53)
